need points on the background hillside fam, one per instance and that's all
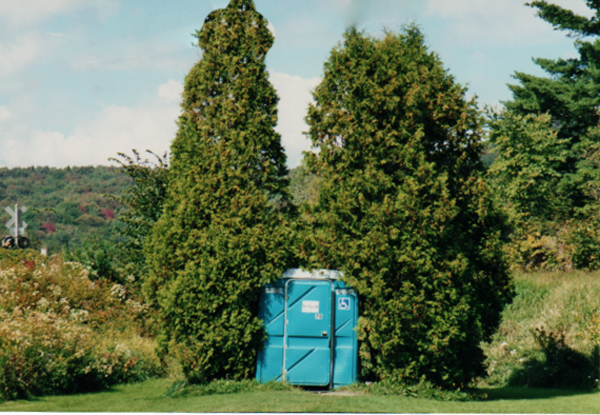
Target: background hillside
(68, 208)
(72, 208)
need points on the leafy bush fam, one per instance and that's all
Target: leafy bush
(532, 248)
(100, 256)
(61, 332)
(585, 238)
(44, 353)
(144, 201)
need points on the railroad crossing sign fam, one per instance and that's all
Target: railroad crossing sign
(16, 225)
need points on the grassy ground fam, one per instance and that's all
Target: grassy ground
(564, 306)
(149, 396)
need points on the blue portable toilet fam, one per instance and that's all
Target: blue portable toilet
(310, 319)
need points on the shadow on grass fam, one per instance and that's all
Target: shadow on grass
(518, 393)
(560, 368)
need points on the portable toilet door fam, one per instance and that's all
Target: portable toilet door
(310, 320)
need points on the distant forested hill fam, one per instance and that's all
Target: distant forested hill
(67, 207)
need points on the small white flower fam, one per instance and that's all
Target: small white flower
(118, 290)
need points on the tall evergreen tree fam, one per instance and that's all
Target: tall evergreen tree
(544, 139)
(571, 93)
(403, 209)
(222, 234)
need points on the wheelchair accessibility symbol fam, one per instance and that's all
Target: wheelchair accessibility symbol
(343, 304)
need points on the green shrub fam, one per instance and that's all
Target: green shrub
(533, 248)
(61, 332)
(585, 238)
(43, 353)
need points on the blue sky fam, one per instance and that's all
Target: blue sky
(81, 80)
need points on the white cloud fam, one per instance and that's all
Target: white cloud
(506, 22)
(171, 91)
(5, 114)
(295, 95)
(31, 12)
(150, 125)
(19, 53)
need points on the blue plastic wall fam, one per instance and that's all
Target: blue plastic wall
(313, 315)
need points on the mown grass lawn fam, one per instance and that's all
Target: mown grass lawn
(149, 396)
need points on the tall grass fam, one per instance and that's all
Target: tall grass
(550, 334)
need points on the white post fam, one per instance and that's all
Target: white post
(16, 222)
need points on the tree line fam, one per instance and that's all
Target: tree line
(397, 197)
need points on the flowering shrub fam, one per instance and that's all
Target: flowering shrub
(61, 332)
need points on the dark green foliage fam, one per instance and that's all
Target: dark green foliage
(144, 200)
(564, 19)
(403, 209)
(585, 236)
(223, 233)
(572, 92)
(102, 256)
(526, 170)
(526, 176)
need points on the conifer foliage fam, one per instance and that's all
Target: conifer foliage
(403, 209)
(546, 173)
(570, 95)
(222, 234)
